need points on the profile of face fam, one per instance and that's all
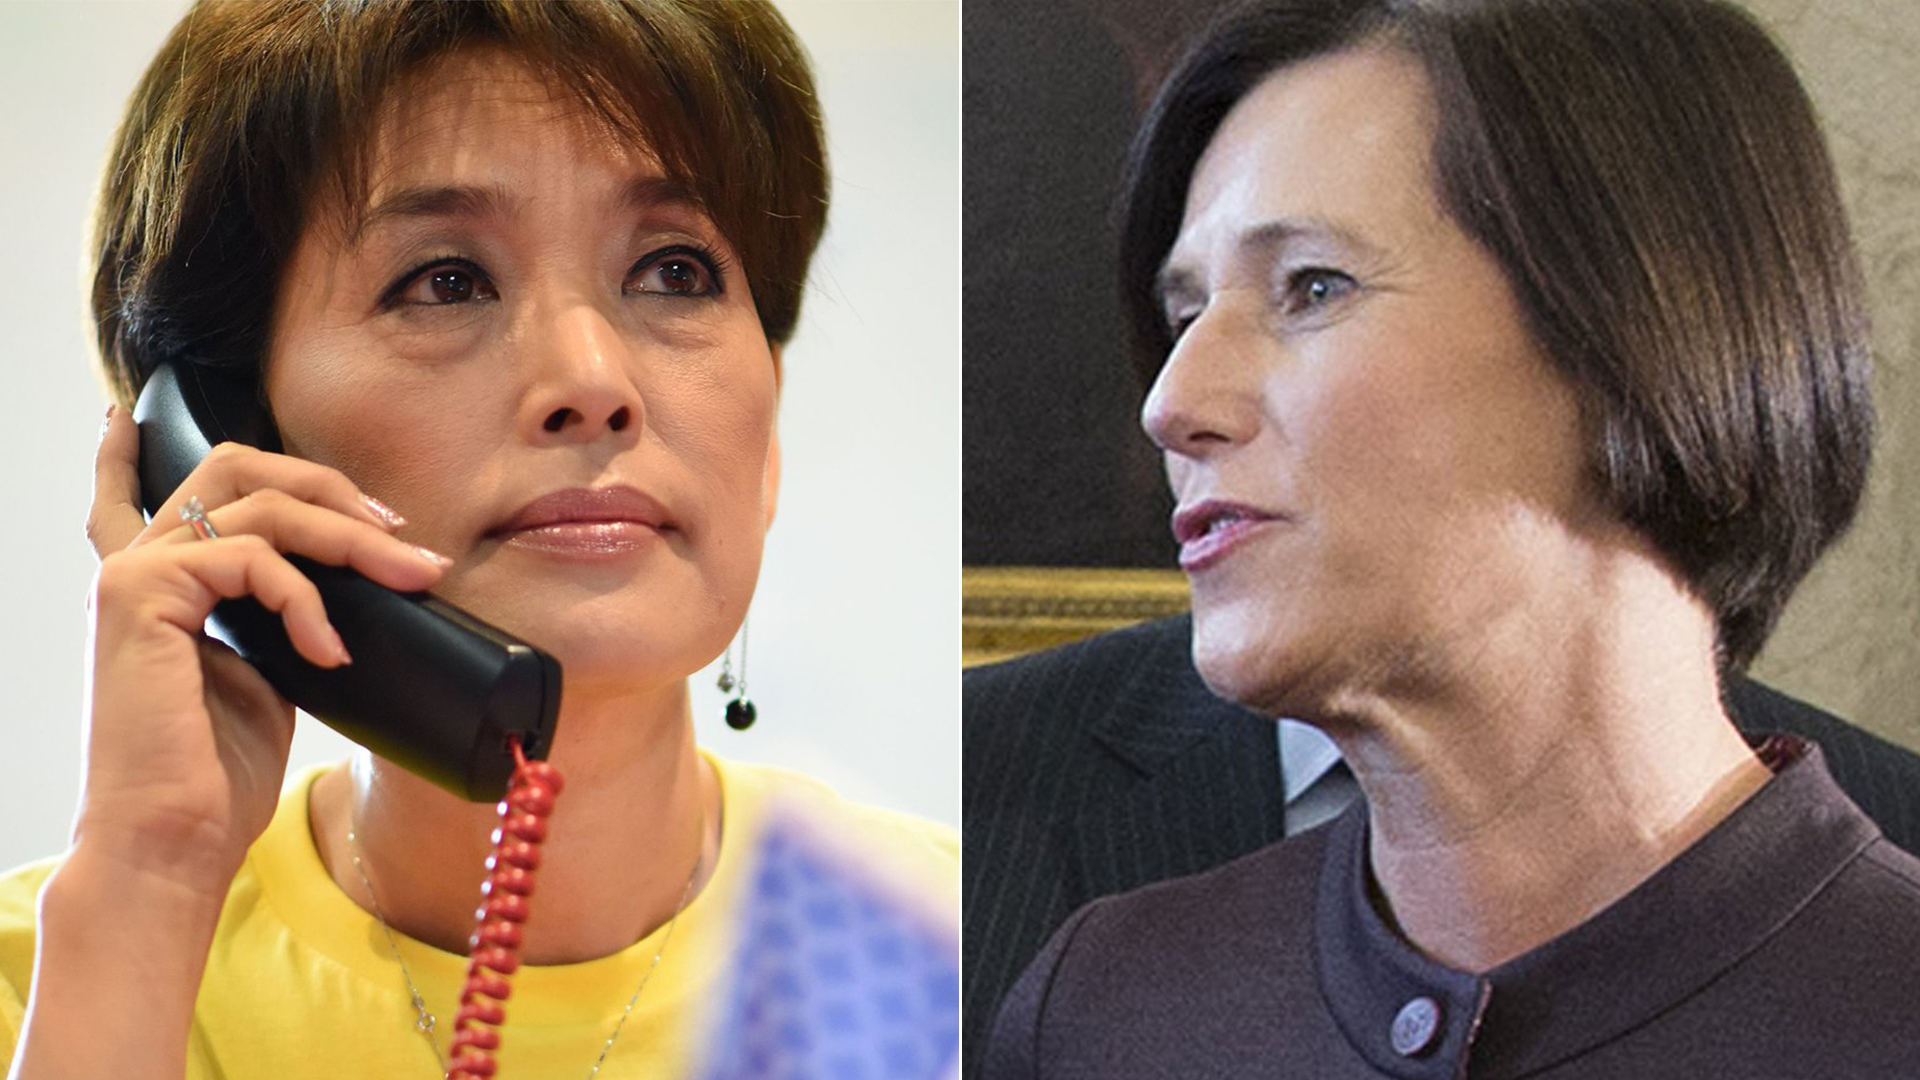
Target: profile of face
(1375, 466)
(527, 307)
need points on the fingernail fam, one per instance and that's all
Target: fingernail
(383, 512)
(432, 556)
(108, 422)
(340, 647)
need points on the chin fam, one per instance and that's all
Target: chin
(620, 667)
(613, 639)
(1241, 659)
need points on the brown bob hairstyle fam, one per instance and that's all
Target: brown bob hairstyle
(1651, 178)
(251, 109)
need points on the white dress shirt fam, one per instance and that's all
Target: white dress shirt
(1315, 783)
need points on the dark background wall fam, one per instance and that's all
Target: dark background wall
(1057, 472)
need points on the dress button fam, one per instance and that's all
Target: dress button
(1417, 1027)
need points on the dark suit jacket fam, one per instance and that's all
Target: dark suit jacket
(1104, 765)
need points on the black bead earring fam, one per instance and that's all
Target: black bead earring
(740, 711)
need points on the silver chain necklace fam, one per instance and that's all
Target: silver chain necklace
(424, 1020)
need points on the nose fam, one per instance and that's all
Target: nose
(1206, 397)
(582, 384)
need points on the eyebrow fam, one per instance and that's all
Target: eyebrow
(476, 201)
(412, 203)
(1260, 243)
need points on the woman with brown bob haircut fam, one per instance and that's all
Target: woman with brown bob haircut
(511, 282)
(1510, 369)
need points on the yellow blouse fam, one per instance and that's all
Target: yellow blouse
(300, 981)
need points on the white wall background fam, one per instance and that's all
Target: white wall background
(855, 631)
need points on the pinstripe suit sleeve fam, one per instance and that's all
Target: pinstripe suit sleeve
(1019, 743)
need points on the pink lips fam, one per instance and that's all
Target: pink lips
(587, 522)
(1209, 530)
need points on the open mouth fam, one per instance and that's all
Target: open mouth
(1208, 531)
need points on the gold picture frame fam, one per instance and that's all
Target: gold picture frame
(1006, 611)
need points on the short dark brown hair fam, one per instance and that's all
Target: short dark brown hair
(1652, 180)
(252, 108)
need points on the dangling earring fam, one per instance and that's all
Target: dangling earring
(740, 711)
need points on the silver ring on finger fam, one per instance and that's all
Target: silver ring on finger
(195, 515)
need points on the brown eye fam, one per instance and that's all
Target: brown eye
(441, 285)
(677, 271)
(680, 276)
(450, 286)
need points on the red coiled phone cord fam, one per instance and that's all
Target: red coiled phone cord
(495, 944)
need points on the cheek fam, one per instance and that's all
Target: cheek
(409, 435)
(715, 409)
(1439, 478)
(1374, 452)
(1447, 428)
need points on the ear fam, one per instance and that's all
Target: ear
(770, 496)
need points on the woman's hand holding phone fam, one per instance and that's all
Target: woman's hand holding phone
(187, 744)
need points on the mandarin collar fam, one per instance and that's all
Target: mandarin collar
(1664, 941)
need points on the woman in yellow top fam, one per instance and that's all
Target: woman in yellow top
(513, 282)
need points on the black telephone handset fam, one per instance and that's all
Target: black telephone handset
(431, 688)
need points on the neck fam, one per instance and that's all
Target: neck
(640, 810)
(1515, 795)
